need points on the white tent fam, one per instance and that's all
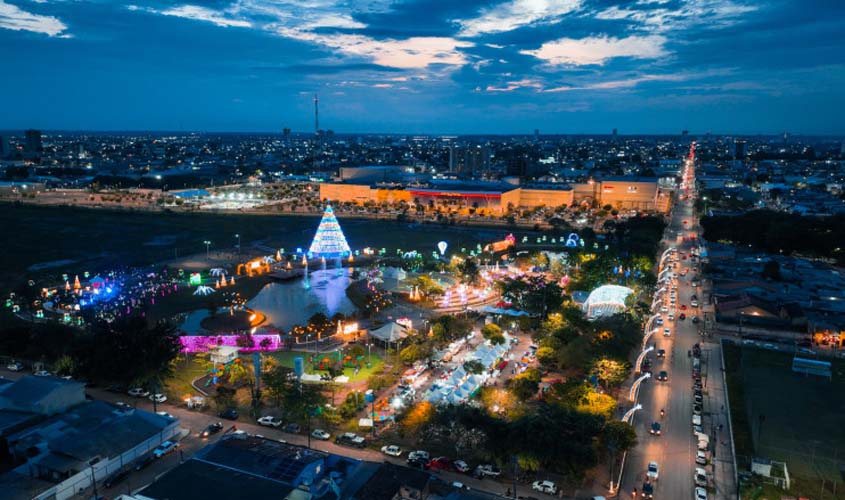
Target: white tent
(390, 333)
(217, 271)
(204, 290)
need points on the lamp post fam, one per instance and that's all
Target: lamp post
(207, 251)
(238, 236)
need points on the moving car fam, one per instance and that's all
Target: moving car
(138, 392)
(661, 353)
(667, 332)
(158, 398)
(270, 421)
(548, 487)
(663, 376)
(682, 316)
(653, 471)
(229, 414)
(648, 490)
(391, 450)
(655, 428)
(212, 429)
(321, 435)
(695, 320)
(165, 448)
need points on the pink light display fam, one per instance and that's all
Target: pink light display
(200, 343)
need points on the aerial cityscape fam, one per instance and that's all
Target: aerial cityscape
(422, 250)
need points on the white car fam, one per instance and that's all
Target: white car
(696, 420)
(548, 487)
(14, 366)
(419, 455)
(700, 477)
(42, 373)
(158, 398)
(321, 435)
(671, 317)
(700, 494)
(138, 392)
(270, 421)
(659, 321)
(653, 472)
(664, 309)
(165, 448)
(667, 332)
(391, 450)
(701, 457)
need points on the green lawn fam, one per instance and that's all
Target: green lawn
(285, 358)
(801, 422)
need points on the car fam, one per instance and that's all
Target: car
(671, 317)
(321, 434)
(460, 466)
(696, 420)
(664, 309)
(683, 307)
(653, 471)
(655, 428)
(695, 320)
(693, 303)
(487, 470)
(420, 455)
(270, 421)
(211, 429)
(548, 487)
(701, 457)
(440, 463)
(648, 490)
(667, 332)
(391, 450)
(699, 399)
(14, 366)
(164, 414)
(659, 321)
(351, 439)
(696, 409)
(158, 398)
(42, 373)
(663, 376)
(700, 477)
(700, 494)
(292, 428)
(116, 477)
(418, 463)
(144, 461)
(682, 316)
(661, 353)
(165, 448)
(138, 392)
(808, 352)
(697, 429)
(229, 413)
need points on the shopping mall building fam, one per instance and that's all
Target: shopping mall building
(623, 193)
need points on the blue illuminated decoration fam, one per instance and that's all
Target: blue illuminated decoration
(329, 240)
(572, 240)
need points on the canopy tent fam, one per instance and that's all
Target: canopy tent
(606, 300)
(390, 333)
(204, 290)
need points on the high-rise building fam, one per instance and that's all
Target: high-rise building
(32, 142)
(468, 159)
(684, 133)
(5, 147)
(536, 135)
(739, 149)
(286, 135)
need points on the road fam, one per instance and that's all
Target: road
(675, 449)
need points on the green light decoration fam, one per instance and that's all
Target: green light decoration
(329, 240)
(195, 279)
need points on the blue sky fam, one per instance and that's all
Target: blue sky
(414, 66)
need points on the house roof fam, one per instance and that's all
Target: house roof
(199, 479)
(263, 457)
(30, 390)
(384, 484)
(390, 332)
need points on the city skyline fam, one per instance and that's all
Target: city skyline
(564, 67)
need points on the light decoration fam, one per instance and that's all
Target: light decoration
(195, 279)
(76, 284)
(201, 343)
(406, 322)
(350, 328)
(329, 240)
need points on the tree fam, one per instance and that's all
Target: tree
(414, 352)
(547, 356)
(616, 437)
(610, 372)
(490, 330)
(473, 366)
(468, 271)
(525, 385)
(416, 418)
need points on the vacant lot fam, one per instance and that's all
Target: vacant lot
(44, 242)
(786, 416)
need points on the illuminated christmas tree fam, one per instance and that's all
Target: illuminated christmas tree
(329, 240)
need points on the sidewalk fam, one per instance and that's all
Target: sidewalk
(722, 460)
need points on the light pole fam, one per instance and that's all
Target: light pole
(207, 247)
(238, 236)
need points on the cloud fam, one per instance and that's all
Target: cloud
(515, 14)
(519, 84)
(599, 49)
(415, 52)
(706, 14)
(622, 84)
(15, 19)
(197, 13)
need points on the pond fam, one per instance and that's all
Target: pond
(291, 303)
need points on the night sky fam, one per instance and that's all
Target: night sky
(450, 66)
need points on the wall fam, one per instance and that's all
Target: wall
(531, 198)
(628, 194)
(355, 193)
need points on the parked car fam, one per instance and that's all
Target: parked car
(440, 463)
(165, 448)
(270, 421)
(547, 487)
(164, 414)
(418, 463)
(321, 435)
(116, 477)
(292, 428)
(212, 429)
(460, 466)
(158, 398)
(391, 450)
(229, 414)
(351, 439)
(700, 494)
(138, 392)
(682, 316)
(700, 477)
(144, 461)
(483, 471)
(701, 457)
(653, 471)
(419, 455)
(42, 373)
(14, 366)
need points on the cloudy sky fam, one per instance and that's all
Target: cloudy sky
(423, 66)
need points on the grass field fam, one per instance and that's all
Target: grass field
(285, 358)
(65, 239)
(785, 416)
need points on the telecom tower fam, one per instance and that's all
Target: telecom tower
(316, 115)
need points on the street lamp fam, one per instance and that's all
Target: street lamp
(207, 246)
(238, 236)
